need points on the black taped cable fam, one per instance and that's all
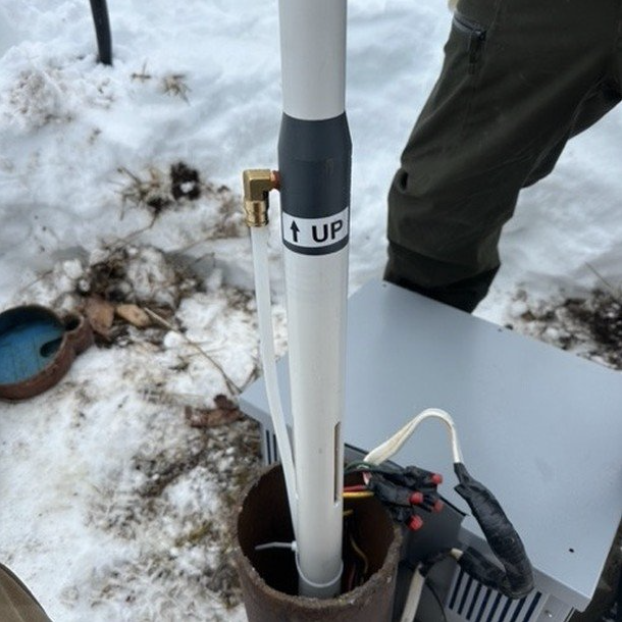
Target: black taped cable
(102, 31)
(515, 579)
(619, 601)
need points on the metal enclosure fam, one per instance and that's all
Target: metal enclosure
(538, 426)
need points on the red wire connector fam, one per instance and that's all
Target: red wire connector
(416, 498)
(415, 523)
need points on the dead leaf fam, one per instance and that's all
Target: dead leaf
(222, 401)
(100, 314)
(133, 315)
(225, 412)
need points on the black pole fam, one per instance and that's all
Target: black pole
(102, 30)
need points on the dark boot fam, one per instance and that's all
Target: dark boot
(17, 604)
(464, 294)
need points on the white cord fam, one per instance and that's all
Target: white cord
(277, 545)
(391, 446)
(414, 596)
(259, 238)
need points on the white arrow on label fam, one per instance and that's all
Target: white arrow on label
(315, 232)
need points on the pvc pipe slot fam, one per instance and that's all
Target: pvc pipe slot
(316, 310)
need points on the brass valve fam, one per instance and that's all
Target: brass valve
(257, 186)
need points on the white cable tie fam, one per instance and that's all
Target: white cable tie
(456, 554)
(277, 545)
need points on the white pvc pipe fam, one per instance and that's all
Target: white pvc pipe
(316, 310)
(313, 49)
(259, 239)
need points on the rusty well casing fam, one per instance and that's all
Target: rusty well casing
(269, 579)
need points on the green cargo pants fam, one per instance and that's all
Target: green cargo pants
(520, 78)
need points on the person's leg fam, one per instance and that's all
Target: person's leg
(17, 604)
(464, 294)
(520, 77)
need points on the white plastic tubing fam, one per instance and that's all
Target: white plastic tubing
(259, 240)
(391, 446)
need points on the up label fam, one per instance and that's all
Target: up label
(316, 234)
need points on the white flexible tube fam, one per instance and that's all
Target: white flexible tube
(413, 598)
(391, 446)
(259, 239)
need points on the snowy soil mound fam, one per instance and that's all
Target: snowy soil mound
(590, 326)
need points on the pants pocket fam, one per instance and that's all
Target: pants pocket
(474, 35)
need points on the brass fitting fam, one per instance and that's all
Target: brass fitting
(257, 185)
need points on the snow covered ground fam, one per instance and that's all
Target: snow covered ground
(113, 506)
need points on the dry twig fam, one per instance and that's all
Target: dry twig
(233, 388)
(614, 291)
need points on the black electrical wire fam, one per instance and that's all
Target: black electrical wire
(437, 598)
(356, 562)
(619, 603)
(515, 578)
(102, 30)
